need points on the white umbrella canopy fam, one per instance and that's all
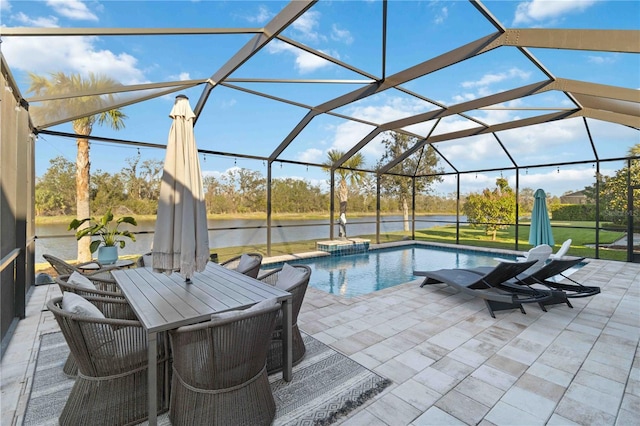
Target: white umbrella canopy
(181, 240)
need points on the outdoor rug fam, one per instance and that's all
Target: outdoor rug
(326, 385)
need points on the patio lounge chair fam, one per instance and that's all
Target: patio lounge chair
(564, 248)
(490, 286)
(64, 268)
(544, 277)
(219, 369)
(295, 280)
(538, 254)
(111, 387)
(554, 268)
(247, 263)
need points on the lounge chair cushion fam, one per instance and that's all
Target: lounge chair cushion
(246, 262)
(288, 277)
(81, 281)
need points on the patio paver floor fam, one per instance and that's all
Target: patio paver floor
(450, 362)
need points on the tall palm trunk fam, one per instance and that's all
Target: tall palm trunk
(82, 192)
(343, 191)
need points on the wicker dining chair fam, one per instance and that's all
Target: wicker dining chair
(146, 260)
(94, 287)
(247, 263)
(219, 369)
(111, 387)
(295, 280)
(64, 268)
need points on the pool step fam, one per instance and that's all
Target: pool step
(344, 247)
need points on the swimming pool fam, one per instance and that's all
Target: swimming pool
(358, 274)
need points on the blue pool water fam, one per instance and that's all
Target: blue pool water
(358, 274)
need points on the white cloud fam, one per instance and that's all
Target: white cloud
(482, 147)
(458, 99)
(41, 21)
(441, 16)
(312, 155)
(599, 60)
(489, 79)
(72, 9)
(262, 16)
(338, 34)
(307, 25)
(5, 5)
(70, 55)
(548, 10)
(305, 62)
(554, 182)
(183, 76)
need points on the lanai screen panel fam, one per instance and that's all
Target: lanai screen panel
(480, 152)
(612, 140)
(259, 123)
(330, 28)
(549, 143)
(536, 105)
(387, 106)
(326, 132)
(302, 92)
(418, 31)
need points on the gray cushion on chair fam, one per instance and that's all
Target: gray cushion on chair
(267, 303)
(99, 337)
(81, 281)
(78, 305)
(246, 262)
(288, 277)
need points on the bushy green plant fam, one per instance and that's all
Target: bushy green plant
(108, 233)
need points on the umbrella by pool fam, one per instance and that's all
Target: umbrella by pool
(540, 230)
(181, 240)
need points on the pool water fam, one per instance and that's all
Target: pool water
(358, 274)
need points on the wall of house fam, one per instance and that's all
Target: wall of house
(17, 220)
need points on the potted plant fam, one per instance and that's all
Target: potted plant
(110, 235)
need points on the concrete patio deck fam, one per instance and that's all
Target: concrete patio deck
(450, 362)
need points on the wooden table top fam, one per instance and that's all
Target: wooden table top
(163, 302)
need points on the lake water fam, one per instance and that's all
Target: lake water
(56, 240)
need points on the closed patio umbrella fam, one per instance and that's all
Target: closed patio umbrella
(181, 240)
(540, 229)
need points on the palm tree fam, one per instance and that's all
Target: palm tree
(59, 84)
(348, 172)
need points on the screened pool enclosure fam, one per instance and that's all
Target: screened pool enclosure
(476, 91)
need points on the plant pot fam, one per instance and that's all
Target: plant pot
(108, 255)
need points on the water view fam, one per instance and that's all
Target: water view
(56, 240)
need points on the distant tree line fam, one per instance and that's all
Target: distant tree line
(135, 190)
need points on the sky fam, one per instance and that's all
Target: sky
(350, 32)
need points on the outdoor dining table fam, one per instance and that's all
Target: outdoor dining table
(163, 302)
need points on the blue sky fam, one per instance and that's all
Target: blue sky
(349, 31)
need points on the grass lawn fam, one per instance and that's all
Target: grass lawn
(580, 235)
